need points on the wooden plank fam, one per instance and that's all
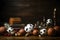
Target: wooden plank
(30, 38)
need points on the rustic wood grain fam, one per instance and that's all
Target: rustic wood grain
(30, 38)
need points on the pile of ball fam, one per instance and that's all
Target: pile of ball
(29, 29)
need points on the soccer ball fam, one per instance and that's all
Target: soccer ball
(28, 28)
(43, 31)
(10, 30)
(49, 22)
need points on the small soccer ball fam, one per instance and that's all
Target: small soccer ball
(28, 28)
(43, 31)
(10, 30)
(49, 22)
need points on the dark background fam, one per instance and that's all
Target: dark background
(29, 10)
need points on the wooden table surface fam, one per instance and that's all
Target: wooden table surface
(30, 38)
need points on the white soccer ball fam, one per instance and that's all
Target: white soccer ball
(43, 31)
(28, 28)
(10, 30)
(49, 21)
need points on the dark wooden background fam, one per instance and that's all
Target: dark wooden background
(28, 8)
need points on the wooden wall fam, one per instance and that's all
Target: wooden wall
(25, 8)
